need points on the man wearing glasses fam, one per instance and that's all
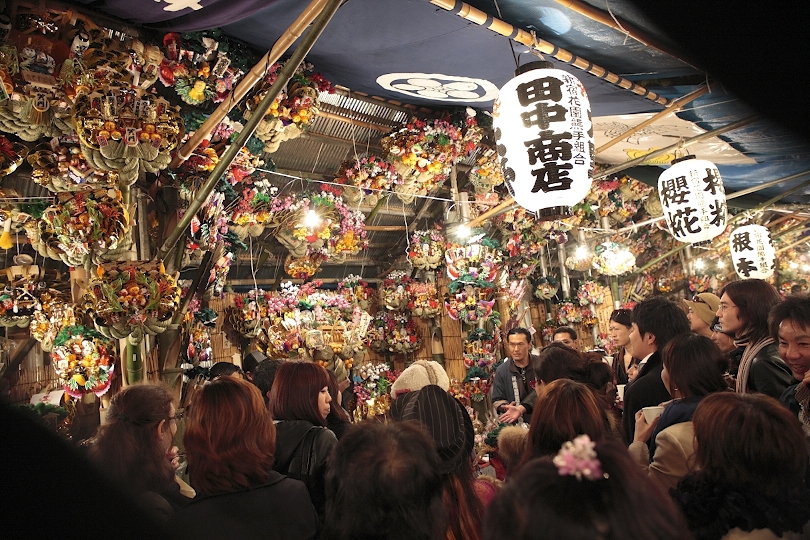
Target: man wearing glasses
(514, 379)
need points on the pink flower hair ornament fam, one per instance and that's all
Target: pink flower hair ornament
(578, 458)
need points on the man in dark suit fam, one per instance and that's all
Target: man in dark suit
(655, 322)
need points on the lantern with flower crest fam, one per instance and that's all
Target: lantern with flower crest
(543, 128)
(752, 252)
(693, 200)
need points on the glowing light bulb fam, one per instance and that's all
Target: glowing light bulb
(721, 264)
(581, 252)
(312, 219)
(806, 268)
(463, 231)
(699, 264)
(794, 265)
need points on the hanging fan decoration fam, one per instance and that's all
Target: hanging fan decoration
(132, 296)
(394, 291)
(55, 312)
(591, 292)
(393, 332)
(293, 111)
(318, 223)
(545, 288)
(203, 66)
(370, 174)
(252, 213)
(64, 168)
(468, 303)
(425, 302)
(426, 251)
(568, 313)
(613, 259)
(480, 259)
(303, 267)
(123, 130)
(422, 154)
(246, 316)
(82, 225)
(84, 361)
(480, 354)
(486, 174)
(356, 291)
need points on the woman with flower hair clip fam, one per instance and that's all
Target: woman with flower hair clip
(588, 490)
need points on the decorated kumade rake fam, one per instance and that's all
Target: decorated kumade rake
(81, 226)
(36, 107)
(84, 361)
(133, 297)
(426, 251)
(65, 169)
(122, 130)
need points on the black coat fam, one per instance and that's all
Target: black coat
(290, 458)
(647, 390)
(280, 509)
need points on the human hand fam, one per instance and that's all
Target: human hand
(643, 429)
(173, 456)
(512, 413)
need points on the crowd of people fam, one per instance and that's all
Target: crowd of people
(697, 427)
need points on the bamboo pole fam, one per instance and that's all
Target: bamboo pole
(622, 26)
(792, 245)
(467, 12)
(284, 75)
(674, 106)
(505, 205)
(250, 79)
(679, 145)
(782, 219)
(772, 183)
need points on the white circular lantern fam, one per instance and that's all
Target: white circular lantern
(693, 199)
(752, 252)
(543, 127)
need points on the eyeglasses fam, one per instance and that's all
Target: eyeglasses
(177, 417)
(724, 306)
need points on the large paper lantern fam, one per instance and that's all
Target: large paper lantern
(752, 252)
(693, 199)
(542, 122)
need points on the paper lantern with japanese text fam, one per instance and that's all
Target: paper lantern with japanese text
(752, 252)
(543, 127)
(693, 199)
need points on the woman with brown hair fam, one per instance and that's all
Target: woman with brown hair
(134, 447)
(338, 419)
(744, 309)
(621, 322)
(564, 410)
(692, 371)
(752, 458)
(230, 440)
(300, 404)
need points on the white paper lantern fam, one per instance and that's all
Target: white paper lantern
(542, 122)
(693, 199)
(752, 252)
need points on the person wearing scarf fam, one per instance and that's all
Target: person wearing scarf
(744, 309)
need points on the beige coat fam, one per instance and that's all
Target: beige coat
(674, 455)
